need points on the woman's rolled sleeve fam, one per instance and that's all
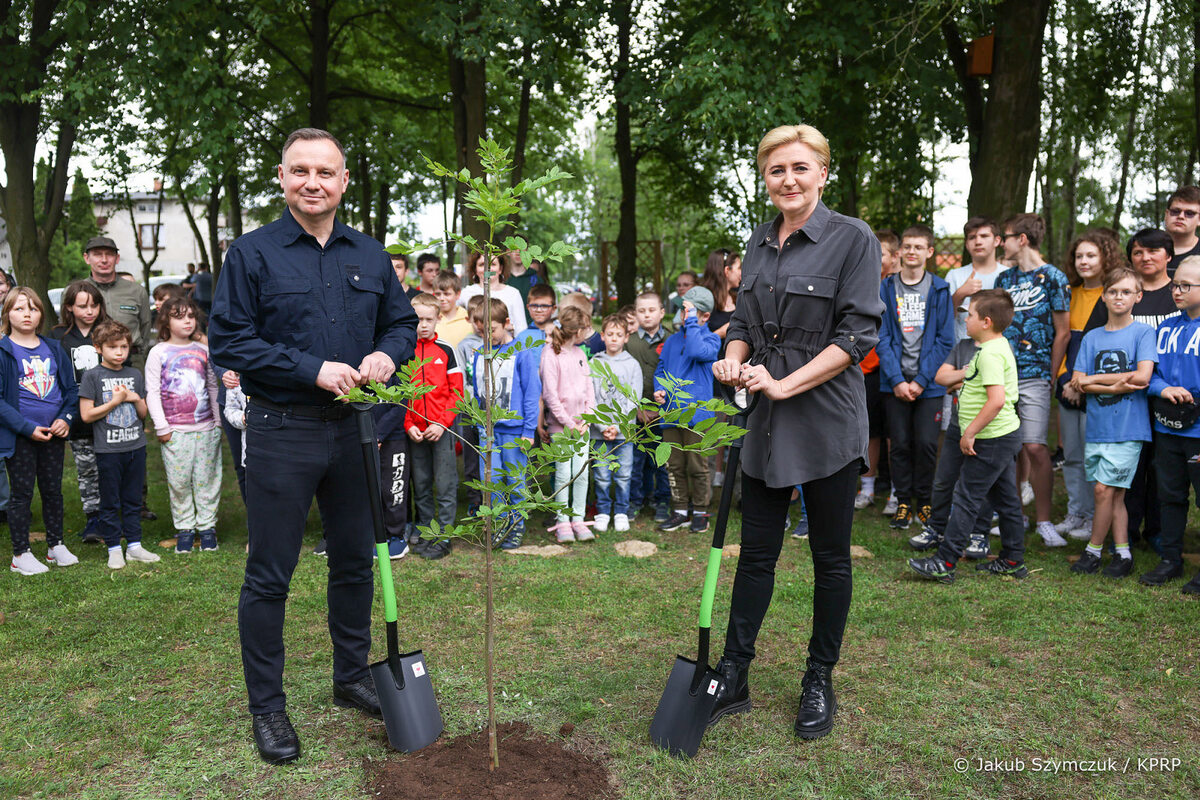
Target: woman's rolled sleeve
(858, 307)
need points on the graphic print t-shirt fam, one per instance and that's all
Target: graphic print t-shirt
(184, 396)
(910, 310)
(120, 430)
(1036, 295)
(39, 396)
(1117, 417)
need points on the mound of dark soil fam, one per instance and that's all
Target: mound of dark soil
(531, 768)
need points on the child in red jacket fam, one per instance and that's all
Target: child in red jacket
(431, 448)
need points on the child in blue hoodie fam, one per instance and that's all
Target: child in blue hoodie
(914, 339)
(511, 383)
(38, 402)
(688, 356)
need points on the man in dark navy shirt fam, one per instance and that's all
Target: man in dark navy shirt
(307, 308)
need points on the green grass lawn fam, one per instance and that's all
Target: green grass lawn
(128, 684)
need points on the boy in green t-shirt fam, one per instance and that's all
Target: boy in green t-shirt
(990, 443)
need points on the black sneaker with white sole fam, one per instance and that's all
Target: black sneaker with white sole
(977, 549)
(927, 539)
(674, 522)
(932, 568)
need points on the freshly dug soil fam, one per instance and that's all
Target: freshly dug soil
(531, 768)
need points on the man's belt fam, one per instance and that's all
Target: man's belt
(326, 413)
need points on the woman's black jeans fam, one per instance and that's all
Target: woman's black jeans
(830, 506)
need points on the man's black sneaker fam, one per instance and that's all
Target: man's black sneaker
(902, 518)
(1088, 564)
(1002, 566)
(674, 522)
(1165, 571)
(319, 550)
(932, 568)
(927, 539)
(1119, 568)
(818, 706)
(1192, 586)
(699, 522)
(924, 513)
(358, 694)
(436, 550)
(733, 696)
(276, 738)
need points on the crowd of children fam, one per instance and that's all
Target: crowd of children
(959, 402)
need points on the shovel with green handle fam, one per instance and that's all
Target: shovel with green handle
(410, 711)
(683, 712)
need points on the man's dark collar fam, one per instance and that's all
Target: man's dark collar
(813, 227)
(292, 229)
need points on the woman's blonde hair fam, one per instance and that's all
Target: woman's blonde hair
(570, 322)
(787, 134)
(11, 300)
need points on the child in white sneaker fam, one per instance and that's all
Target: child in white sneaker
(38, 403)
(615, 333)
(112, 398)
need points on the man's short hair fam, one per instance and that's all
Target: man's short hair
(650, 296)
(613, 319)
(994, 304)
(1032, 225)
(499, 311)
(918, 232)
(1151, 239)
(975, 223)
(542, 291)
(425, 299)
(311, 135)
(401, 257)
(447, 281)
(110, 331)
(1186, 194)
(1115, 276)
(888, 238)
(425, 258)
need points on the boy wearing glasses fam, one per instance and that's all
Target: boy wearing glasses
(1181, 219)
(989, 443)
(1114, 366)
(541, 307)
(1175, 386)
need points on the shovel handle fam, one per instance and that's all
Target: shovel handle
(366, 437)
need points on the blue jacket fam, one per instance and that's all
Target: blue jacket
(689, 355)
(518, 388)
(1178, 344)
(11, 421)
(935, 343)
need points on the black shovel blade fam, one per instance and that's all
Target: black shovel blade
(682, 717)
(411, 713)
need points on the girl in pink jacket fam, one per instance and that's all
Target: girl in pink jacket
(567, 394)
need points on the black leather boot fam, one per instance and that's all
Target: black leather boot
(817, 703)
(734, 695)
(358, 694)
(276, 738)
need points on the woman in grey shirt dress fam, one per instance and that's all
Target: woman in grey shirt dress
(808, 311)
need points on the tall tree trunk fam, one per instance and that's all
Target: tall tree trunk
(318, 75)
(1134, 107)
(1008, 141)
(627, 162)
(971, 88)
(518, 163)
(381, 212)
(468, 98)
(214, 229)
(233, 194)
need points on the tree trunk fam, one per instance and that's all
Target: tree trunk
(381, 212)
(468, 98)
(518, 162)
(318, 74)
(627, 162)
(972, 90)
(214, 230)
(1008, 140)
(1134, 107)
(191, 218)
(233, 194)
